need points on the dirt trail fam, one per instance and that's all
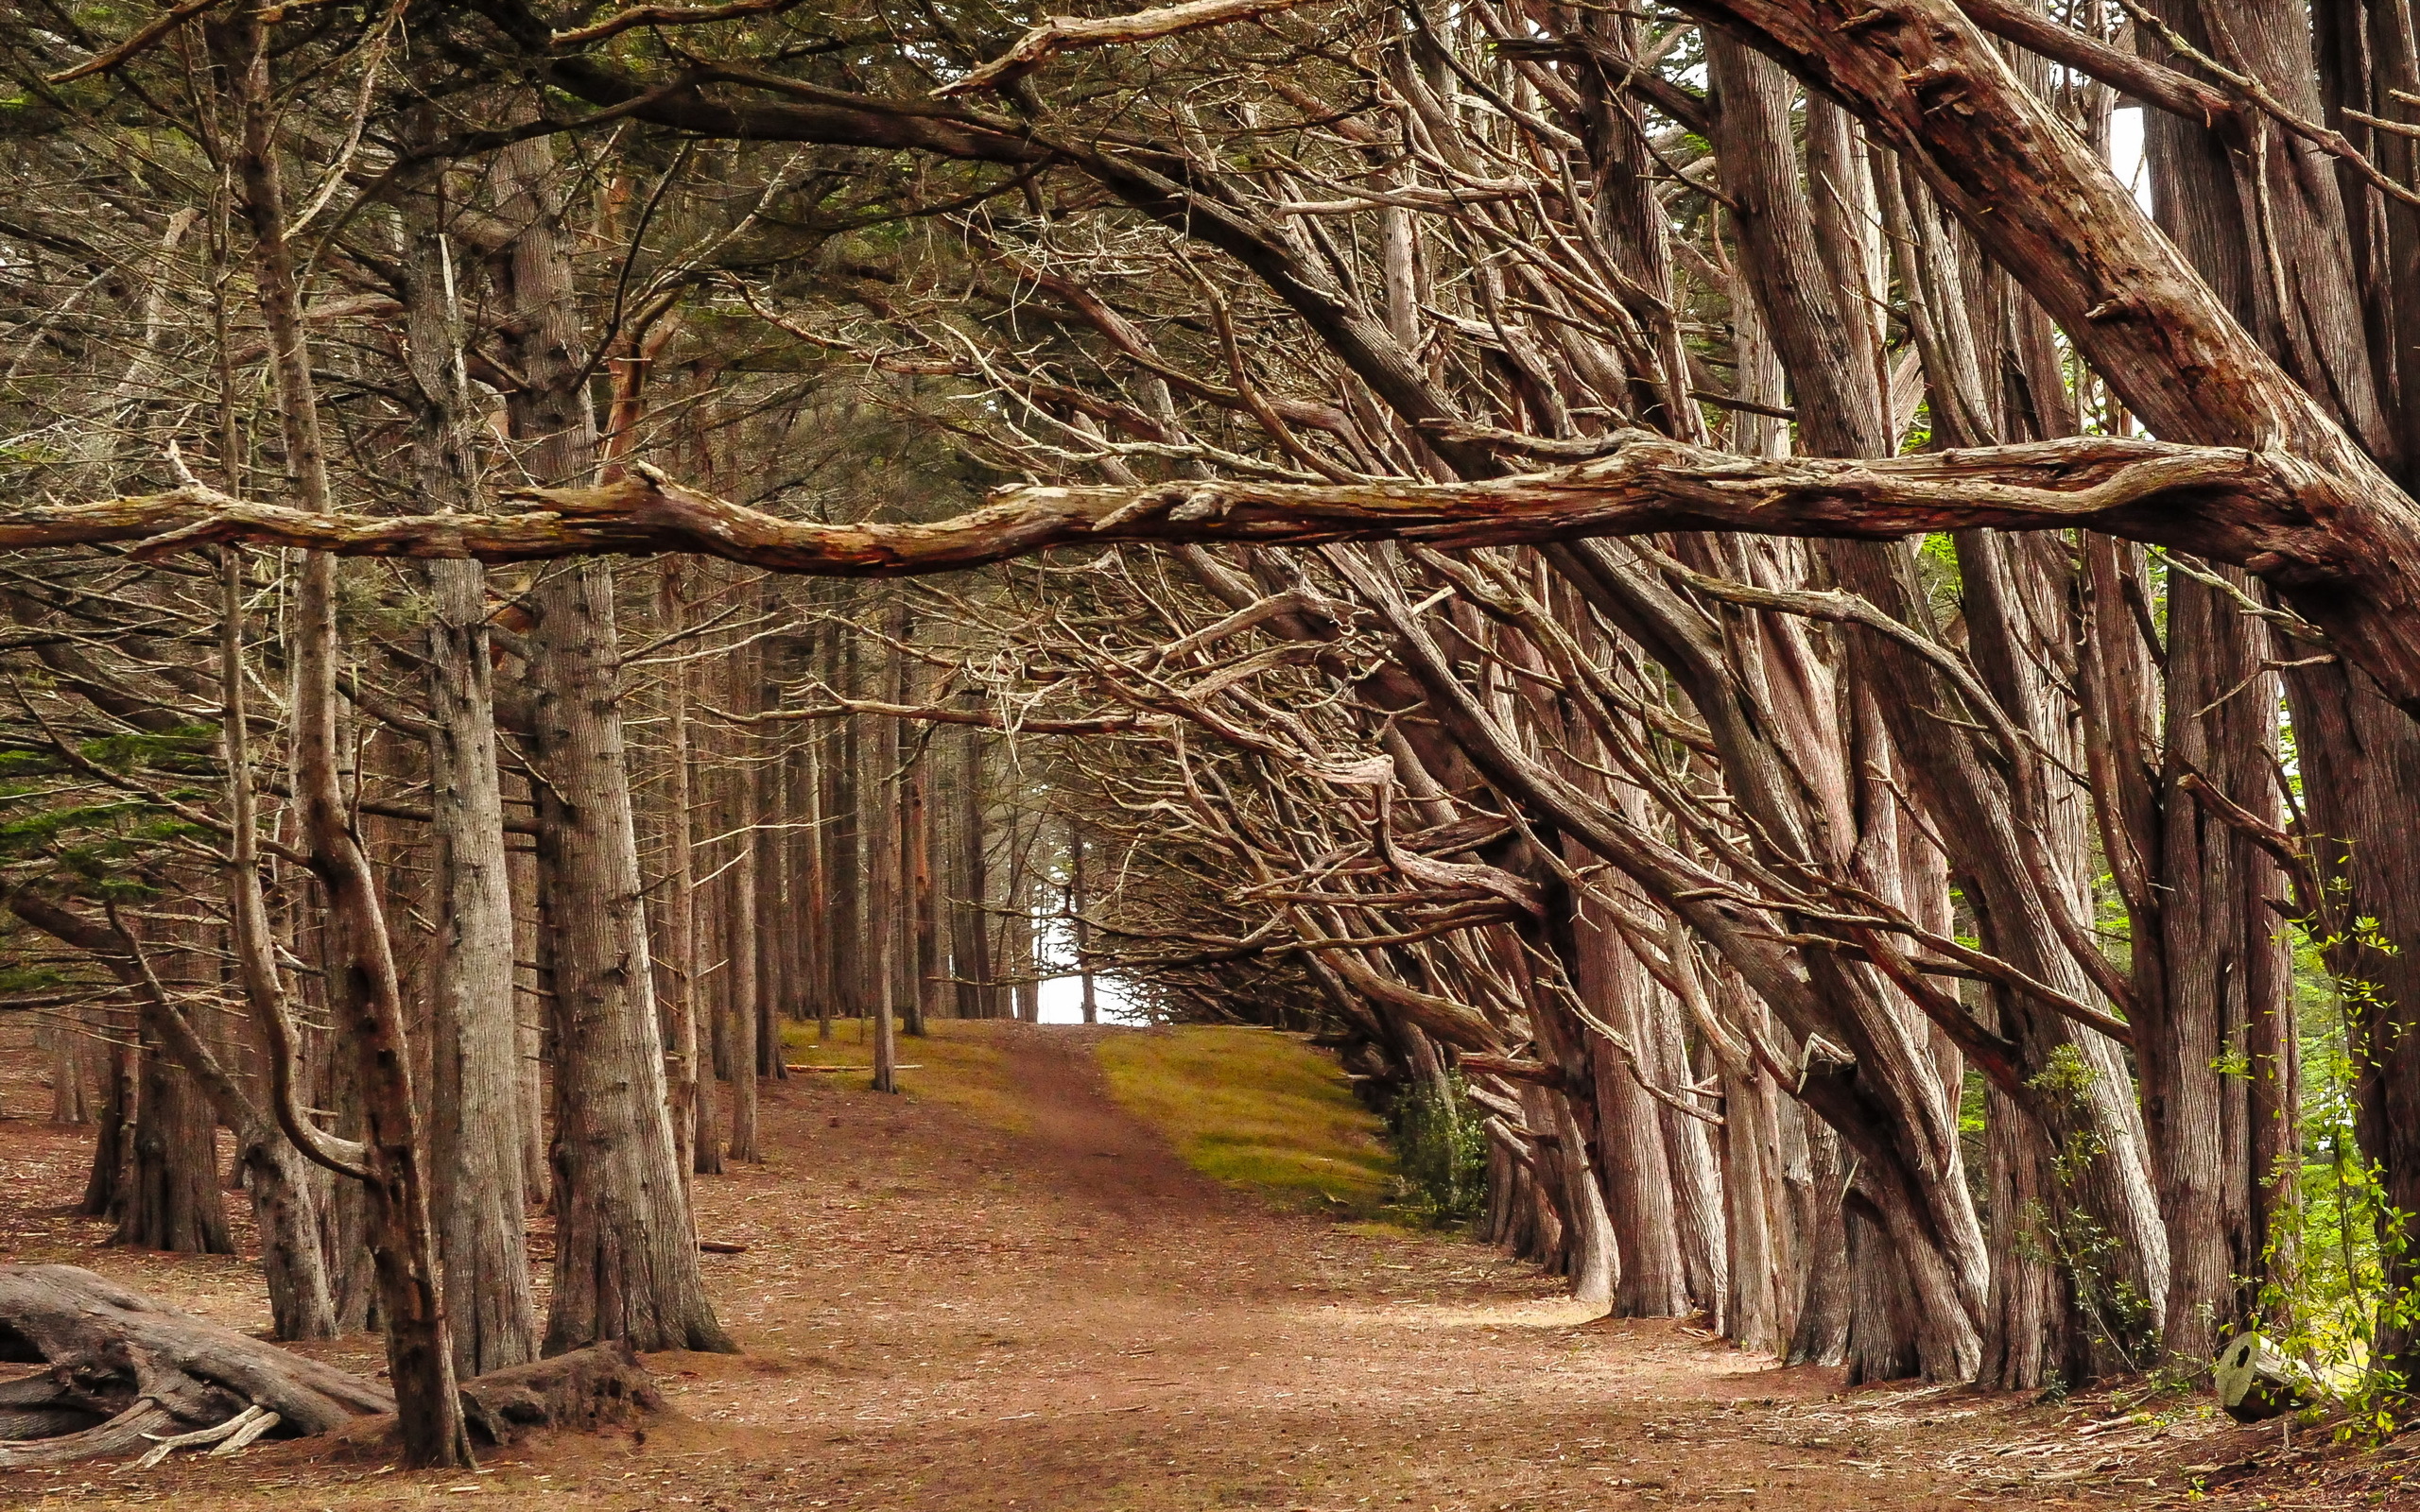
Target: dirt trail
(943, 1314)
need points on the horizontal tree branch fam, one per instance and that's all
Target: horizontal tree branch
(2223, 502)
(2266, 510)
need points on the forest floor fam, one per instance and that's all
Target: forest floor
(1005, 1291)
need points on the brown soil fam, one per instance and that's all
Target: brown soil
(939, 1315)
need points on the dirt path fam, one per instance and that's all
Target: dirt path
(941, 1313)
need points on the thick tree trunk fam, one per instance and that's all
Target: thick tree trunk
(626, 1254)
(2209, 1052)
(172, 1199)
(475, 1053)
(1816, 1177)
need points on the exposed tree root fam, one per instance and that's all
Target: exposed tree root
(601, 1386)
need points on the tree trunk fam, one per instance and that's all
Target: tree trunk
(105, 1187)
(743, 787)
(922, 904)
(626, 1254)
(1080, 905)
(1630, 1159)
(885, 903)
(365, 994)
(678, 909)
(476, 1056)
(172, 1198)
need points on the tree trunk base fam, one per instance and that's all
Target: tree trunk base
(601, 1386)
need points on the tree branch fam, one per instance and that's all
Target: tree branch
(1063, 34)
(2224, 504)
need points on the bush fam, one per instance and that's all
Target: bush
(1441, 1144)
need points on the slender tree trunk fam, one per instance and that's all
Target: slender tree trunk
(744, 786)
(105, 1187)
(886, 915)
(1079, 905)
(848, 864)
(916, 847)
(367, 993)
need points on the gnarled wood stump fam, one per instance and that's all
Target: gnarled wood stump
(121, 1366)
(125, 1372)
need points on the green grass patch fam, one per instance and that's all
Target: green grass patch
(955, 1063)
(1257, 1110)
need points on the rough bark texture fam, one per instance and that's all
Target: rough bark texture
(626, 1257)
(365, 993)
(476, 1054)
(601, 1386)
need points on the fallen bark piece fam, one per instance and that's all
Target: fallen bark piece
(601, 1386)
(126, 1373)
(2257, 1383)
(721, 1247)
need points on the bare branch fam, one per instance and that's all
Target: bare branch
(2227, 504)
(1063, 34)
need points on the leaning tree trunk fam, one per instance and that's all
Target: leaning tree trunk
(365, 993)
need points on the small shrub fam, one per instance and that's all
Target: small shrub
(1440, 1145)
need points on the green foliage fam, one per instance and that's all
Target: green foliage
(1440, 1143)
(99, 838)
(2336, 1244)
(2062, 1234)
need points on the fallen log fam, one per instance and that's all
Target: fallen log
(2257, 1383)
(124, 1371)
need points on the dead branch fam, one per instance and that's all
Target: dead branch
(1063, 34)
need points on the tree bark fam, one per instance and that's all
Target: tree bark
(626, 1255)
(122, 1366)
(365, 994)
(482, 1205)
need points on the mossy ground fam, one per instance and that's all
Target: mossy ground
(955, 1063)
(1256, 1109)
